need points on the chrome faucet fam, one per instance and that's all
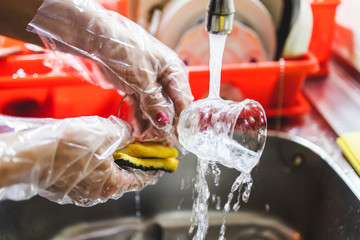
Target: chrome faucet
(220, 16)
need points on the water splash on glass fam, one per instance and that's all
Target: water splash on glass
(245, 180)
(216, 172)
(221, 131)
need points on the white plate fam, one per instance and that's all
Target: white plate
(242, 45)
(254, 14)
(298, 40)
(180, 15)
(177, 17)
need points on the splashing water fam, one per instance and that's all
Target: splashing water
(138, 207)
(180, 203)
(224, 149)
(213, 197)
(218, 203)
(200, 207)
(246, 179)
(182, 184)
(216, 172)
(200, 218)
(222, 230)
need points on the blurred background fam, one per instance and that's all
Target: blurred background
(305, 33)
(299, 58)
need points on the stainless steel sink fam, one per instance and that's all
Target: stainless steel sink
(296, 195)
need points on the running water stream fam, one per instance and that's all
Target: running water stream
(200, 207)
(217, 45)
(226, 148)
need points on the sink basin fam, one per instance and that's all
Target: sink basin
(296, 195)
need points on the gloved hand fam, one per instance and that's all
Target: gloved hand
(130, 58)
(66, 161)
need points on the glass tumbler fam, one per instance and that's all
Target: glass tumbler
(223, 131)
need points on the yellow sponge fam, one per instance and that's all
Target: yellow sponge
(147, 156)
(350, 145)
(149, 150)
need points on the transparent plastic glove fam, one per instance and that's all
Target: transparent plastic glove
(130, 58)
(66, 161)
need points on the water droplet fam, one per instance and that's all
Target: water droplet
(20, 73)
(267, 207)
(216, 172)
(227, 205)
(252, 120)
(222, 230)
(137, 205)
(182, 184)
(236, 206)
(246, 123)
(179, 205)
(200, 216)
(213, 197)
(238, 183)
(247, 191)
(218, 203)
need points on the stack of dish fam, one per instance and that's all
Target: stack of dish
(264, 30)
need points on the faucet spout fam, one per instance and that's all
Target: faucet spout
(220, 16)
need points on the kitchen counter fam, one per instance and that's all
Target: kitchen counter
(335, 101)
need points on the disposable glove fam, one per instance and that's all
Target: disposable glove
(66, 161)
(129, 57)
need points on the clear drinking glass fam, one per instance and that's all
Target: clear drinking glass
(224, 131)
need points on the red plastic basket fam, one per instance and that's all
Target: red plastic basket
(45, 94)
(260, 82)
(41, 92)
(323, 31)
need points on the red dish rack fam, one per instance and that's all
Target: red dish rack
(43, 92)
